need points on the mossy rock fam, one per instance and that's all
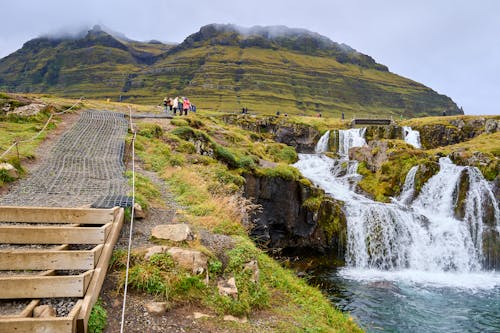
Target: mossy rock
(332, 219)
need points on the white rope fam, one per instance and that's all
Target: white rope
(131, 224)
(41, 131)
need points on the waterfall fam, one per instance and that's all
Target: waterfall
(408, 190)
(322, 145)
(350, 138)
(423, 235)
(412, 137)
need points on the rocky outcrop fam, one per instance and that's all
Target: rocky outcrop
(303, 138)
(455, 130)
(28, 110)
(373, 155)
(173, 232)
(300, 136)
(383, 132)
(488, 164)
(295, 216)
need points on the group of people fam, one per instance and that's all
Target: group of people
(181, 104)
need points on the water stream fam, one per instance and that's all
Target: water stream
(411, 137)
(412, 258)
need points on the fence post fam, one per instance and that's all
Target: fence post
(17, 149)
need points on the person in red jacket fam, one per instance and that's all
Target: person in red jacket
(186, 105)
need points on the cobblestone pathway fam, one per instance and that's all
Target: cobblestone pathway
(85, 164)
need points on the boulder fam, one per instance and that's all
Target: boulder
(28, 110)
(189, 259)
(492, 125)
(10, 170)
(236, 319)
(139, 212)
(198, 315)
(156, 308)
(155, 250)
(173, 232)
(228, 288)
(44, 311)
(254, 268)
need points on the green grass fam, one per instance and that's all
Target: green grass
(98, 318)
(208, 189)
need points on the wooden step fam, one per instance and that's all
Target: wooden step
(42, 325)
(50, 259)
(44, 286)
(53, 235)
(57, 215)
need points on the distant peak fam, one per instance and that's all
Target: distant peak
(277, 37)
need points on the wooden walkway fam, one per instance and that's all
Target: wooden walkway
(54, 253)
(373, 122)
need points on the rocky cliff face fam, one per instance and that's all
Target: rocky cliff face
(302, 137)
(289, 221)
(455, 131)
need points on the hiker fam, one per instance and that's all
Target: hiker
(180, 104)
(444, 113)
(170, 103)
(165, 104)
(193, 107)
(186, 106)
(343, 116)
(175, 104)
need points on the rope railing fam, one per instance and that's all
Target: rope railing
(17, 142)
(131, 223)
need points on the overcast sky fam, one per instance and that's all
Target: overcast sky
(452, 46)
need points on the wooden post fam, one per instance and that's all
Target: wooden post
(17, 149)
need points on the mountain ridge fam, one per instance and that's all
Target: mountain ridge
(225, 67)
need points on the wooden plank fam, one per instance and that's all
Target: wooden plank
(25, 313)
(53, 235)
(37, 325)
(41, 260)
(99, 275)
(44, 286)
(97, 253)
(56, 215)
(28, 310)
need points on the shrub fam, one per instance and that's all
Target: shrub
(150, 130)
(98, 318)
(179, 122)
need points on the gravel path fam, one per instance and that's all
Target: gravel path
(85, 164)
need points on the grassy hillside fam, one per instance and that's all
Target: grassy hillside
(207, 189)
(220, 69)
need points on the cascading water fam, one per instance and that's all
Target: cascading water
(322, 145)
(421, 239)
(354, 137)
(408, 190)
(421, 235)
(412, 137)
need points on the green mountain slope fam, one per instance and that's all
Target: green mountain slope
(222, 67)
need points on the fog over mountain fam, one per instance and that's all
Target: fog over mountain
(451, 46)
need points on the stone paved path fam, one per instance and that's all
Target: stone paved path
(85, 164)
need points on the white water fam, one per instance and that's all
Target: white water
(412, 137)
(322, 145)
(408, 190)
(420, 240)
(351, 138)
